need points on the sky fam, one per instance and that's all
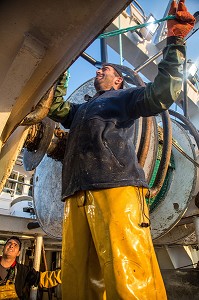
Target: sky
(81, 70)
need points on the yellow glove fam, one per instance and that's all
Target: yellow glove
(50, 279)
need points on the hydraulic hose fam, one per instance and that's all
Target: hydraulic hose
(153, 160)
(145, 140)
(192, 129)
(166, 154)
(131, 76)
(185, 100)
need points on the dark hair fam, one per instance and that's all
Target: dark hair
(16, 239)
(118, 72)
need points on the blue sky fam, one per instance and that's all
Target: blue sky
(81, 70)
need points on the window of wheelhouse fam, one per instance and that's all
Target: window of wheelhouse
(14, 184)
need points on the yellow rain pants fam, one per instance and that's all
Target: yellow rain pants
(106, 254)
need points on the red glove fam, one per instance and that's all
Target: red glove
(184, 21)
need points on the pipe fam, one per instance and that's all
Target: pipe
(166, 154)
(185, 100)
(23, 254)
(103, 48)
(152, 58)
(37, 256)
(120, 43)
(33, 225)
(148, 61)
(90, 59)
(192, 129)
(36, 263)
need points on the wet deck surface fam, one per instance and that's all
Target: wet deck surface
(182, 284)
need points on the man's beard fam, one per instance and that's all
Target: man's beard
(102, 84)
(97, 84)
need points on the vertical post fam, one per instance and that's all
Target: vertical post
(36, 263)
(120, 44)
(22, 255)
(103, 48)
(185, 100)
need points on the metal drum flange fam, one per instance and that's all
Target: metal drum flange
(182, 185)
(177, 235)
(78, 95)
(47, 196)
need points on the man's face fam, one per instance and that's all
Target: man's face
(11, 249)
(106, 78)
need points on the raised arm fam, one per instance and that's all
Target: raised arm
(160, 95)
(59, 108)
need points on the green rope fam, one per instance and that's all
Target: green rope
(133, 28)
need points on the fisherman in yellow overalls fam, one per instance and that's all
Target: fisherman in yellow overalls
(107, 246)
(16, 279)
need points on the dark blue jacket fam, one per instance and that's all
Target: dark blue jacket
(100, 151)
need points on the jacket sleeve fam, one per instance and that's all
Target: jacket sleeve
(49, 279)
(160, 95)
(62, 111)
(59, 108)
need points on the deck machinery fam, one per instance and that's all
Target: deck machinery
(41, 39)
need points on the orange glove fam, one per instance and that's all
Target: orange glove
(184, 21)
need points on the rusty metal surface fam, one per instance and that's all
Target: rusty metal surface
(168, 213)
(31, 159)
(178, 235)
